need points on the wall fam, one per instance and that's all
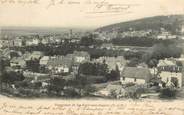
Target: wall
(167, 76)
(131, 80)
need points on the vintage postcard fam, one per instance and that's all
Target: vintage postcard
(91, 57)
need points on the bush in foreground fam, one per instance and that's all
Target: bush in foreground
(168, 93)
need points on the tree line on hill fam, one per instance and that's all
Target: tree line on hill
(139, 41)
(156, 53)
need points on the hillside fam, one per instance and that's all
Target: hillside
(170, 23)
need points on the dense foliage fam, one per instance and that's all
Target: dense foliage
(93, 69)
(136, 41)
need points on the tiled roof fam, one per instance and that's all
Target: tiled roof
(134, 72)
(17, 59)
(45, 58)
(65, 61)
(80, 53)
(166, 63)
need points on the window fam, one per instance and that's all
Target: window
(135, 80)
(167, 79)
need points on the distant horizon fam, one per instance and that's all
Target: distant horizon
(82, 28)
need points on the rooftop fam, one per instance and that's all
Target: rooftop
(166, 62)
(60, 60)
(133, 72)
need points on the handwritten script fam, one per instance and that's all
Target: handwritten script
(94, 7)
(22, 2)
(90, 108)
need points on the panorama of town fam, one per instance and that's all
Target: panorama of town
(103, 63)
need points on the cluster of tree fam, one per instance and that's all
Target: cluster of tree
(168, 93)
(130, 55)
(10, 77)
(98, 73)
(134, 58)
(33, 65)
(96, 53)
(57, 85)
(61, 49)
(65, 47)
(170, 23)
(96, 69)
(3, 63)
(161, 51)
(35, 85)
(113, 75)
(77, 87)
(136, 41)
(151, 58)
(133, 62)
(14, 54)
(89, 40)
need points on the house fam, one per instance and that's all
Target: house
(107, 46)
(32, 41)
(59, 64)
(44, 60)
(35, 77)
(6, 43)
(171, 75)
(32, 56)
(80, 57)
(113, 62)
(181, 59)
(135, 75)
(166, 62)
(36, 55)
(166, 35)
(45, 40)
(6, 53)
(58, 40)
(52, 39)
(17, 42)
(75, 40)
(18, 62)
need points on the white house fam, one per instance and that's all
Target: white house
(171, 75)
(59, 64)
(33, 41)
(17, 42)
(135, 75)
(44, 60)
(166, 62)
(166, 35)
(17, 62)
(45, 41)
(81, 56)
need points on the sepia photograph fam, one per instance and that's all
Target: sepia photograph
(91, 50)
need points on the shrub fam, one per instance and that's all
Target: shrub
(168, 93)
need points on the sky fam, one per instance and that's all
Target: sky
(82, 13)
